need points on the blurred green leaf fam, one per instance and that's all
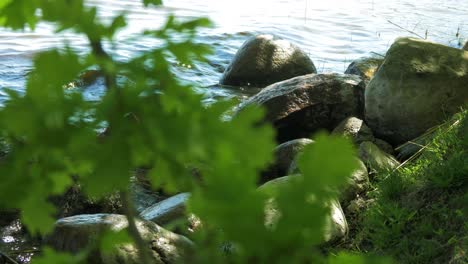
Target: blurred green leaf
(50, 256)
(110, 239)
(152, 2)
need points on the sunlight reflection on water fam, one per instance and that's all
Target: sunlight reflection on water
(332, 32)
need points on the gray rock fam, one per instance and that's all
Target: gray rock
(142, 197)
(265, 59)
(336, 227)
(375, 158)
(303, 105)
(358, 182)
(354, 129)
(75, 233)
(384, 145)
(285, 154)
(170, 209)
(365, 67)
(419, 85)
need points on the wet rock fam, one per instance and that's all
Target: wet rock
(418, 86)
(466, 46)
(16, 242)
(375, 158)
(75, 233)
(168, 210)
(266, 59)
(285, 154)
(336, 227)
(365, 67)
(303, 105)
(354, 129)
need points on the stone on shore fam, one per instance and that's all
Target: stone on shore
(336, 227)
(285, 155)
(266, 59)
(355, 129)
(306, 104)
(375, 158)
(75, 233)
(419, 85)
(365, 67)
(168, 210)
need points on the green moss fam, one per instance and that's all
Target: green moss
(418, 213)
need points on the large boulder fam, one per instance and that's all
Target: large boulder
(75, 233)
(419, 85)
(266, 59)
(336, 227)
(365, 67)
(303, 105)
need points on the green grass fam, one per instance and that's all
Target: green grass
(419, 213)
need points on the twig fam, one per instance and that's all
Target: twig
(8, 259)
(98, 51)
(133, 230)
(407, 30)
(413, 157)
(26, 251)
(450, 125)
(378, 54)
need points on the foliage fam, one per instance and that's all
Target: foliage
(419, 214)
(153, 121)
(302, 203)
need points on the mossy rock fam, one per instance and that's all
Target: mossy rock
(336, 226)
(419, 85)
(375, 158)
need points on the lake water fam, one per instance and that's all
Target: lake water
(332, 32)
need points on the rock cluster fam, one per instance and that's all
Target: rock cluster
(378, 100)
